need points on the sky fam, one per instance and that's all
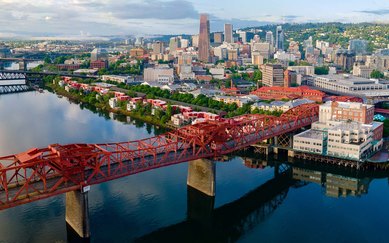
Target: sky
(84, 18)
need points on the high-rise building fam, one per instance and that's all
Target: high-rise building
(158, 47)
(218, 37)
(204, 38)
(99, 54)
(242, 35)
(279, 38)
(184, 43)
(228, 33)
(174, 44)
(264, 49)
(273, 75)
(195, 40)
(269, 38)
(358, 46)
(139, 41)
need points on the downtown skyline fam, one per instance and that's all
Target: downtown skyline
(84, 18)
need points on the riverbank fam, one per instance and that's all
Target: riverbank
(104, 107)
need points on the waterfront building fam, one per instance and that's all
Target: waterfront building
(344, 130)
(204, 39)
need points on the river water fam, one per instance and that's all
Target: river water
(153, 206)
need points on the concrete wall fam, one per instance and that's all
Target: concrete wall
(77, 213)
(202, 175)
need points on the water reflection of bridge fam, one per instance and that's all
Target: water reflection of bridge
(230, 222)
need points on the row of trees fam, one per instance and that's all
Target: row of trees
(200, 100)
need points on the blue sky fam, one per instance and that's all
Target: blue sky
(144, 17)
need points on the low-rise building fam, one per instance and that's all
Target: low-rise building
(344, 130)
(290, 93)
(118, 78)
(350, 85)
(113, 103)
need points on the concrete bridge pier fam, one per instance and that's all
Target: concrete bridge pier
(77, 212)
(202, 176)
(23, 66)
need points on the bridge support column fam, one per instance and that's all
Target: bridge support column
(202, 175)
(77, 213)
(23, 66)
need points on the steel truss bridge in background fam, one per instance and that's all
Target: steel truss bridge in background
(11, 82)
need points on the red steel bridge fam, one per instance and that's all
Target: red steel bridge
(380, 110)
(45, 172)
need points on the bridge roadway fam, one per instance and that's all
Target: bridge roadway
(383, 111)
(50, 73)
(42, 173)
(19, 59)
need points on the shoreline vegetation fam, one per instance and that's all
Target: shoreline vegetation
(104, 106)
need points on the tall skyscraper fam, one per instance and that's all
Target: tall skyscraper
(228, 33)
(270, 38)
(204, 38)
(279, 38)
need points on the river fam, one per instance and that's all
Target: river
(15, 65)
(154, 204)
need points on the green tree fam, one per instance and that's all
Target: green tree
(321, 70)
(377, 74)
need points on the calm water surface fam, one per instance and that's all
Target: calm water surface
(153, 206)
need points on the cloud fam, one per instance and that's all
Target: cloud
(217, 24)
(290, 18)
(376, 12)
(154, 9)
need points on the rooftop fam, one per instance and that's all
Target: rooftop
(347, 105)
(313, 134)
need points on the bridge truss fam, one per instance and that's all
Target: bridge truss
(45, 172)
